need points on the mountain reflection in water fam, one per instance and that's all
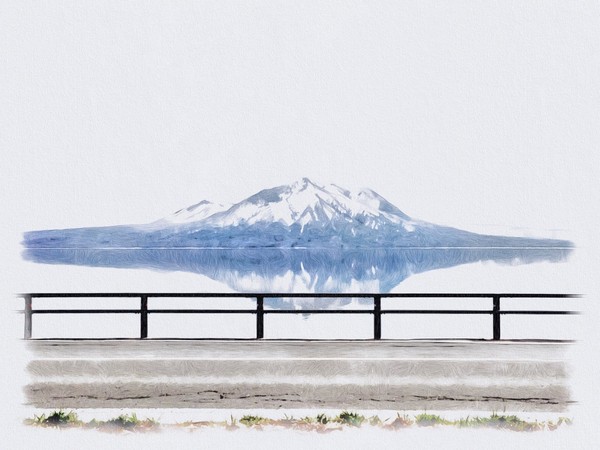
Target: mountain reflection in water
(297, 270)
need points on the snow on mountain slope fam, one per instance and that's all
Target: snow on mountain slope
(302, 202)
(196, 212)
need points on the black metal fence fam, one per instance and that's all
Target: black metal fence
(496, 312)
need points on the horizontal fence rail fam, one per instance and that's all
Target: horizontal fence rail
(260, 311)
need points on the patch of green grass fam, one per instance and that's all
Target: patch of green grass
(466, 422)
(429, 420)
(321, 423)
(350, 418)
(509, 422)
(512, 422)
(56, 418)
(127, 422)
(124, 421)
(251, 421)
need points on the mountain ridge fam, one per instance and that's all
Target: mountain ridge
(300, 215)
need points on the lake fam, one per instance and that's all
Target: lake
(458, 270)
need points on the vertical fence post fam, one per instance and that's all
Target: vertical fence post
(377, 317)
(144, 317)
(260, 318)
(496, 318)
(28, 316)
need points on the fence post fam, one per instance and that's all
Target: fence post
(144, 317)
(496, 318)
(377, 317)
(28, 317)
(260, 318)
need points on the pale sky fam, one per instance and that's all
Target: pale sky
(459, 113)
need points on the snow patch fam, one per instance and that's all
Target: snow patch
(301, 203)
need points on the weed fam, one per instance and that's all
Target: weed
(232, 425)
(308, 419)
(57, 418)
(37, 420)
(350, 418)
(93, 424)
(399, 422)
(149, 423)
(513, 423)
(250, 421)
(509, 422)
(322, 419)
(375, 421)
(126, 421)
(429, 420)
(561, 420)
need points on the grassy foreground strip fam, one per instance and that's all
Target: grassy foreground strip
(321, 423)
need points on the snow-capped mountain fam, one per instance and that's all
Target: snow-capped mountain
(301, 215)
(300, 203)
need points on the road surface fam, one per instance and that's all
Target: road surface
(387, 374)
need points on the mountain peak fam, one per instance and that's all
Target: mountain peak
(301, 202)
(305, 201)
(302, 184)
